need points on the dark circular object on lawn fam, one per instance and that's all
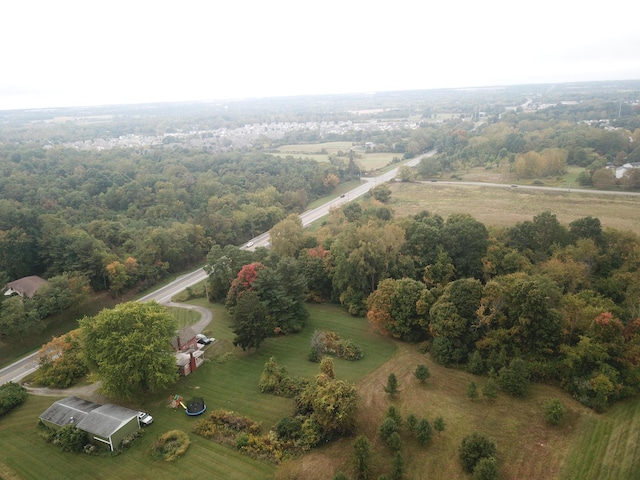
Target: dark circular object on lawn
(195, 406)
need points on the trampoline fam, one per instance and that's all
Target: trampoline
(195, 406)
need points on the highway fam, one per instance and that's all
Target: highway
(20, 369)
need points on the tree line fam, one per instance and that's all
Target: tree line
(560, 301)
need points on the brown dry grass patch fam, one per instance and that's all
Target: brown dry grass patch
(504, 207)
(527, 446)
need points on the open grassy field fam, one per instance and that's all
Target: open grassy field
(331, 148)
(228, 379)
(605, 447)
(504, 207)
(585, 445)
(320, 152)
(527, 447)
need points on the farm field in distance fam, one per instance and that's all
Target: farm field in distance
(320, 152)
(504, 207)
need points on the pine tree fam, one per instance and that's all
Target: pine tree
(392, 384)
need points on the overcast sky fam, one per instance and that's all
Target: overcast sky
(96, 52)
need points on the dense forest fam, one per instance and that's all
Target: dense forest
(562, 297)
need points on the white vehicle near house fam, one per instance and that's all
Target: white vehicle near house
(145, 418)
(203, 339)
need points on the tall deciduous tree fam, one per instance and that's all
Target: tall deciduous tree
(130, 347)
(17, 316)
(392, 308)
(252, 323)
(287, 236)
(465, 240)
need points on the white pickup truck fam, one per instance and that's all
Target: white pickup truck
(145, 418)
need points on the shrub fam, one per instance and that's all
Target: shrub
(11, 395)
(423, 432)
(475, 447)
(348, 350)
(422, 373)
(289, 428)
(554, 411)
(171, 446)
(439, 424)
(70, 439)
(486, 469)
(330, 343)
(275, 380)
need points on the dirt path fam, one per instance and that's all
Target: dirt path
(88, 392)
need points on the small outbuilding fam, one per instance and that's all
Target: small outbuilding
(105, 424)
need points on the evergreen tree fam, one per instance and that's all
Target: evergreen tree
(472, 391)
(422, 373)
(362, 451)
(392, 384)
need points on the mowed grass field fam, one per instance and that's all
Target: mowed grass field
(369, 162)
(606, 446)
(585, 446)
(228, 379)
(504, 207)
(527, 447)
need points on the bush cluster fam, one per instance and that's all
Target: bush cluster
(11, 395)
(244, 434)
(329, 343)
(171, 446)
(276, 380)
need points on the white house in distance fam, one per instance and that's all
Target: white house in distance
(620, 171)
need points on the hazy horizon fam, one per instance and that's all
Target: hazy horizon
(72, 53)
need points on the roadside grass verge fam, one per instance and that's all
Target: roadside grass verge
(605, 447)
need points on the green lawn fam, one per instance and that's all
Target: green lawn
(230, 384)
(606, 446)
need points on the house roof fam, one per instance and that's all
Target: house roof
(101, 420)
(183, 336)
(68, 410)
(26, 286)
(106, 420)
